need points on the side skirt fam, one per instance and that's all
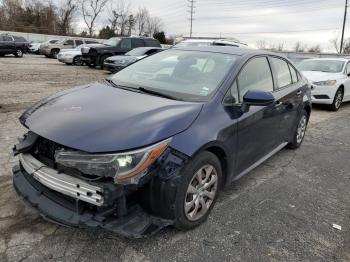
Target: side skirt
(260, 161)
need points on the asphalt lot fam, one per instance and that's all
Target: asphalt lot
(282, 211)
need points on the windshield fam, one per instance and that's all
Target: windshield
(196, 43)
(137, 51)
(185, 75)
(328, 66)
(112, 41)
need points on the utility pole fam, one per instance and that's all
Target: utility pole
(191, 11)
(344, 22)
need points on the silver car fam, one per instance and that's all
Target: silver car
(73, 56)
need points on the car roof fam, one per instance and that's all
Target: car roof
(232, 50)
(330, 58)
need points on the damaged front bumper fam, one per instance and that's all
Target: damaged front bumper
(58, 208)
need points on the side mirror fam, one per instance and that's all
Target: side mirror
(257, 98)
(348, 74)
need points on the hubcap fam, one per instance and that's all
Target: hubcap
(201, 192)
(301, 129)
(19, 52)
(338, 99)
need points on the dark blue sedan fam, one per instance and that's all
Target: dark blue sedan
(154, 144)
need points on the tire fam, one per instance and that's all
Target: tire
(19, 52)
(191, 193)
(300, 131)
(77, 61)
(54, 53)
(2, 55)
(102, 60)
(338, 99)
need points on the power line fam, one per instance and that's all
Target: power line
(191, 11)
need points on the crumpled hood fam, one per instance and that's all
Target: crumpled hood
(315, 76)
(100, 118)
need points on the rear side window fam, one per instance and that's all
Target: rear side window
(126, 43)
(256, 75)
(152, 42)
(282, 72)
(293, 73)
(78, 42)
(69, 42)
(137, 43)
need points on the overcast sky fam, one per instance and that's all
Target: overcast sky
(275, 21)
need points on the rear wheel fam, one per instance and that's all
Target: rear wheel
(198, 191)
(338, 99)
(300, 131)
(54, 53)
(19, 52)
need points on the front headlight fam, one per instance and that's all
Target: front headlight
(125, 168)
(326, 83)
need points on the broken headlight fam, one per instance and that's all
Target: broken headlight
(125, 168)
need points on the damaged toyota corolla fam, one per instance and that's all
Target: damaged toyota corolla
(153, 145)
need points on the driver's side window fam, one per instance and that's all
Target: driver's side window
(256, 75)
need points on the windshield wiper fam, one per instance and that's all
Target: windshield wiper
(114, 84)
(156, 93)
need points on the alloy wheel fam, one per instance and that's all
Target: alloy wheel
(19, 52)
(338, 99)
(301, 129)
(201, 193)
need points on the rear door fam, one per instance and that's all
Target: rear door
(288, 94)
(258, 128)
(125, 45)
(137, 43)
(8, 44)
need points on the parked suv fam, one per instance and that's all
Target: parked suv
(154, 144)
(95, 56)
(52, 50)
(15, 45)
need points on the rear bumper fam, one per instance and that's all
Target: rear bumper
(68, 211)
(66, 60)
(45, 51)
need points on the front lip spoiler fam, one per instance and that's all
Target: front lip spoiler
(62, 183)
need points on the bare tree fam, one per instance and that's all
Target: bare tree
(119, 17)
(153, 25)
(90, 10)
(261, 44)
(315, 49)
(142, 17)
(65, 16)
(335, 41)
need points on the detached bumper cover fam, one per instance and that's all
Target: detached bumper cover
(57, 208)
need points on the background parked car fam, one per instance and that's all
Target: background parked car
(43, 45)
(117, 63)
(15, 45)
(52, 50)
(72, 56)
(34, 47)
(115, 46)
(208, 42)
(330, 78)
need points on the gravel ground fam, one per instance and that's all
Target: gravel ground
(283, 211)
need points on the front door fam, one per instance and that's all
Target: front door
(257, 129)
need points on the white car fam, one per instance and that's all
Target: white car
(330, 80)
(34, 47)
(73, 56)
(208, 42)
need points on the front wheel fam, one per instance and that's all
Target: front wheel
(198, 191)
(300, 131)
(77, 61)
(19, 52)
(338, 99)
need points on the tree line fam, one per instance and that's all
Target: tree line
(45, 17)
